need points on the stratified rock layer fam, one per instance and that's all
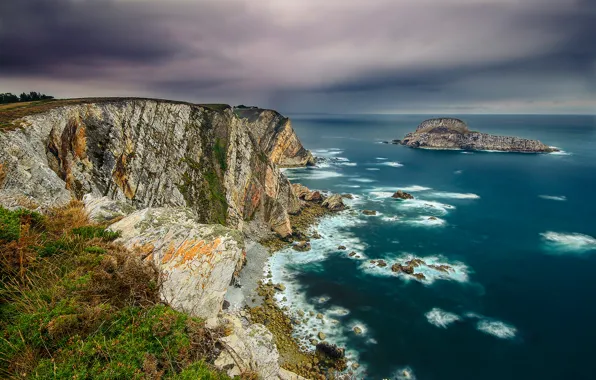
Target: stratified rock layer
(152, 153)
(448, 133)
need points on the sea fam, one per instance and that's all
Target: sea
(518, 232)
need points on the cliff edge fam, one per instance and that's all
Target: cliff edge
(450, 133)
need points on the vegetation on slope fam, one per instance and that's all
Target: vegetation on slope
(74, 304)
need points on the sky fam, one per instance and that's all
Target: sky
(309, 56)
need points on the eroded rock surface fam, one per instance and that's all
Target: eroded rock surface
(152, 153)
(196, 261)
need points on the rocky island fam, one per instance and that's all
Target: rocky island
(450, 133)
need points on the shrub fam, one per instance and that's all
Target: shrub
(92, 232)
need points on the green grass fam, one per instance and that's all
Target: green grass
(75, 305)
(221, 153)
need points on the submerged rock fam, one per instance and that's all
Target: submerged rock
(369, 212)
(402, 195)
(341, 247)
(450, 133)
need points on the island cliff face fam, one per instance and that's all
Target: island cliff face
(152, 153)
(449, 133)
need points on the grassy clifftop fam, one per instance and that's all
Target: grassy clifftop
(14, 111)
(73, 304)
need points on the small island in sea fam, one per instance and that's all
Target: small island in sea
(451, 133)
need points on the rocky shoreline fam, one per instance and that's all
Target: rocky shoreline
(454, 134)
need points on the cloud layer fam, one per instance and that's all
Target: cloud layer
(308, 55)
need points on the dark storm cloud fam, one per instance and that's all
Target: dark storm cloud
(309, 55)
(76, 38)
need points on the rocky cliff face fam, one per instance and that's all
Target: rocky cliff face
(151, 153)
(276, 137)
(454, 134)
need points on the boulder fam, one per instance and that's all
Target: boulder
(330, 351)
(432, 218)
(397, 268)
(321, 335)
(314, 196)
(352, 254)
(419, 276)
(334, 203)
(415, 263)
(104, 209)
(357, 330)
(302, 246)
(248, 349)
(369, 212)
(402, 195)
(341, 248)
(381, 263)
(197, 261)
(280, 287)
(300, 190)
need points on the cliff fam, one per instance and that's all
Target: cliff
(449, 133)
(153, 153)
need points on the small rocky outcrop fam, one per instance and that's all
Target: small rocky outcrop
(196, 261)
(450, 133)
(334, 203)
(341, 248)
(302, 246)
(330, 350)
(369, 212)
(402, 195)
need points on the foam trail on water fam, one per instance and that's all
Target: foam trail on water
(560, 198)
(441, 318)
(381, 158)
(560, 152)
(373, 169)
(312, 174)
(363, 180)
(467, 152)
(416, 204)
(497, 328)
(445, 194)
(561, 243)
(392, 164)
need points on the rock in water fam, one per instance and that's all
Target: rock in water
(449, 133)
(330, 350)
(402, 195)
(369, 212)
(302, 246)
(196, 261)
(334, 203)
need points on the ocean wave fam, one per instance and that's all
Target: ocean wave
(458, 172)
(381, 158)
(348, 164)
(426, 221)
(392, 164)
(561, 243)
(414, 188)
(435, 207)
(466, 152)
(560, 198)
(445, 194)
(380, 194)
(560, 152)
(363, 180)
(441, 318)
(373, 169)
(313, 174)
(497, 328)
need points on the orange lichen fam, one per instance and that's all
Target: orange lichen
(189, 250)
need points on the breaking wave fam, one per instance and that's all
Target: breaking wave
(441, 318)
(561, 243)
(560, 198)
(497, 328)
(444, 194)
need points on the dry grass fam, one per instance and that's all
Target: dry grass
(14, 111)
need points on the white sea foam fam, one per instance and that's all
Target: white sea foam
(414, 188)
(381, 158)
(426, 221)
(405, 373)
(390, 218)
(466, 152)
(561, 243)
(441, 318)
(428, 206)
(457, 271)
(458, 172)
(313, 174)
(497, 328)
(348, 164)
(373, 169)
(560, 152)
(363, 180)
(392, 164)
(342, 159)
(348, 186)
(338, 311)
(445, 194)
(380, 194)
(560, 198)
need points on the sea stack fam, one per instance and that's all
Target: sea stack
(450, 133)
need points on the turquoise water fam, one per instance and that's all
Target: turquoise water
(517, 229)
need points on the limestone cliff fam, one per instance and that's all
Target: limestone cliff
(449, 133)
(152, 153)
(276, 137)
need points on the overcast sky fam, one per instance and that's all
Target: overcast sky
(336, 56)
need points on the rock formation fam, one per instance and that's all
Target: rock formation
(402, 195)
(449, 133)
(151, 153)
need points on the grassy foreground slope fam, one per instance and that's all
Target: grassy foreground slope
(73, 304)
